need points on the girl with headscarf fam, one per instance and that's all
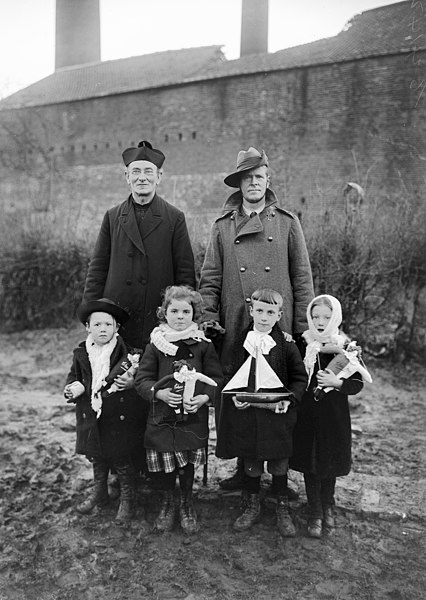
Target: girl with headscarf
(322, 436)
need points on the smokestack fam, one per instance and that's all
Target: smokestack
(78, 33)
(254, 27)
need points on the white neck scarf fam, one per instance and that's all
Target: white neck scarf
(99, 358)
(315, 339)
(163, 337)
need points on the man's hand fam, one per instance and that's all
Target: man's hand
(287, 336)
(212, 328)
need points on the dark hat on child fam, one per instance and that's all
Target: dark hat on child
(246, 160)
(102, 305)
(144, 151)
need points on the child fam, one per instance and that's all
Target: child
(176, 439)
(258, 434)
(109, 413)
(322, 436)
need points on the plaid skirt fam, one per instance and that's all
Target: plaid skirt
(169, 461)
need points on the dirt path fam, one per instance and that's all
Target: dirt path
(48, 552)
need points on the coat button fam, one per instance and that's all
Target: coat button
(122, 417)
(248, 300)
(84, 415)
(273, 214)
(130, 254)
(242, 269)
(270, 238)
(237, 241)
(129, 282)
(121, 399)
(267, 268)
(190, 356)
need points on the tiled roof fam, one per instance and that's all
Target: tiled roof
(116, 76)
(385, 30)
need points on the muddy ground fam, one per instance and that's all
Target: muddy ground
(49, 552)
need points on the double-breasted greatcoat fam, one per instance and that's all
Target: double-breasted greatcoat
(132, 265)
(244, 254)
(119, 430)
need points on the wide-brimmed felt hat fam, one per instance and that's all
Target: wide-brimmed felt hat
(246, 160)
(102, 305)
(144, 151)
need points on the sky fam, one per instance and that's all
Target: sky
(135, 27)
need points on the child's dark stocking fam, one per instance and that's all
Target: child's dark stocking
(327, 499)
(166, 518)
(313, 495)
(187, 514)
(250, 504)
(284, 523)
(99, 496)
(126, 476)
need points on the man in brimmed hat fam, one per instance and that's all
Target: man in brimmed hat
(143, 246)
(254, 244)
(110, 414)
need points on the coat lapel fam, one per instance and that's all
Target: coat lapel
(127, 220)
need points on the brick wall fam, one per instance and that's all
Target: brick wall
(321, 126)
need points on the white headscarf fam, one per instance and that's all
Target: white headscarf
(315, 339)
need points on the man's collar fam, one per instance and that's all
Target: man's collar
(234, 202)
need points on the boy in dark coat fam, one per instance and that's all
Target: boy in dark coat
(110, 415)
(263, 433)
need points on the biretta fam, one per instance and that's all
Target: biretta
(246, 160)
(102, 305)
(144, 151)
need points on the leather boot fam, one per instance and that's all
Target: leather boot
(314, 528)
(126, 477)
(328, 521)
(251, 513)
(284, 522)
(99, 495)
(187, 514)
(236, 482)
(166, 518)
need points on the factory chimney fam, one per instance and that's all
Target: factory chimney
(78, 33)
(254, 27)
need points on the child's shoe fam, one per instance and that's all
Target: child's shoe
(329, 521)
(166, 518)
(187, 514)
(284, 522)
(315, 528)
(250, 514)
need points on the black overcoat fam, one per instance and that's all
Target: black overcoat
(322, 437)
(133, 269)
(185, 435)
(119, 430)
(259, 433)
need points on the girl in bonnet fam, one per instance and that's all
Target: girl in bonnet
(322, 436)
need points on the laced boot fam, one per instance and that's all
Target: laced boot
(187, 514)
(166, 518)
(127, 491)
(314, 528)
(99, 495)
(284, 522)
(250, 514)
